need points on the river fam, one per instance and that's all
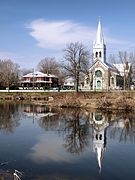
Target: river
(46, 143)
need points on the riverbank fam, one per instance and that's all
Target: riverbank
(120, 100)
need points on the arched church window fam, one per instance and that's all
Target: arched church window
(96, 136)
(100, 137)
(112, 80)
(87, 81)
(100, 54)
(96, 54)
(98, 73)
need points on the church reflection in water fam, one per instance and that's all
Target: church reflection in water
(99, 124)
(117, 126)
(81, 129)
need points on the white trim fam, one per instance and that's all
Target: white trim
(101, 63)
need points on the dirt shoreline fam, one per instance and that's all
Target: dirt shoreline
(120, 100)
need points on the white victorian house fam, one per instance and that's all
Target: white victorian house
(39, 80)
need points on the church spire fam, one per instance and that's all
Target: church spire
(99, 48)
(99, 37)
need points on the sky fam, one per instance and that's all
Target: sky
(31, 30)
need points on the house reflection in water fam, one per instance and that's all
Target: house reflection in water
(37, 111)
(99, 124)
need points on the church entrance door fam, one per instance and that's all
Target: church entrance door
(99, 84)
(98, 76)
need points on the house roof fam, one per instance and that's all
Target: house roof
(69, 81)
(121, 68)
(39, 74)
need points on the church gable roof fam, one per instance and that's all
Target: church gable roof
(105, 65)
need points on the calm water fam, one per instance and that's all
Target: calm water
(61, 144)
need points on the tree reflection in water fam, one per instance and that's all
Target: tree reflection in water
(75, 126)
(76, 132)
(122, 127)
(9, 116)
(72, 125)
(81, 129)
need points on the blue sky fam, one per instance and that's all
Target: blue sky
(33, 29)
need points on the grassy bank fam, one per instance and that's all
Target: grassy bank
(100, 100)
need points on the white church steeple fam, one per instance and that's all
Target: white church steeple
(99, 37)
(99, 48)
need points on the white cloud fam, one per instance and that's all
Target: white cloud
(56, 34)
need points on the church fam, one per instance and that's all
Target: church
(103, 75)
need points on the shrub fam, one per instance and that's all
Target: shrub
(104, 103)
(13, 88)
(46, 88)
(2, 88)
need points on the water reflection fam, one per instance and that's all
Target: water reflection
(80, 130)
(9, 117)
(61, 137)
(37, 111)
(99, 124)
(75, 132)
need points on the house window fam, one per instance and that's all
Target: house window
(98, 73)
(46, 78)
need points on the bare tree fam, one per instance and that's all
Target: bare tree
(123, 57)
(112, 59)
(77, 61)
(9, 72)
(132, 61)
(25, 71)
(49, 65)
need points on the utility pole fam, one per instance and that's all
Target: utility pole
(33, 78)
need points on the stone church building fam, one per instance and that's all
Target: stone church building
(102, 75)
